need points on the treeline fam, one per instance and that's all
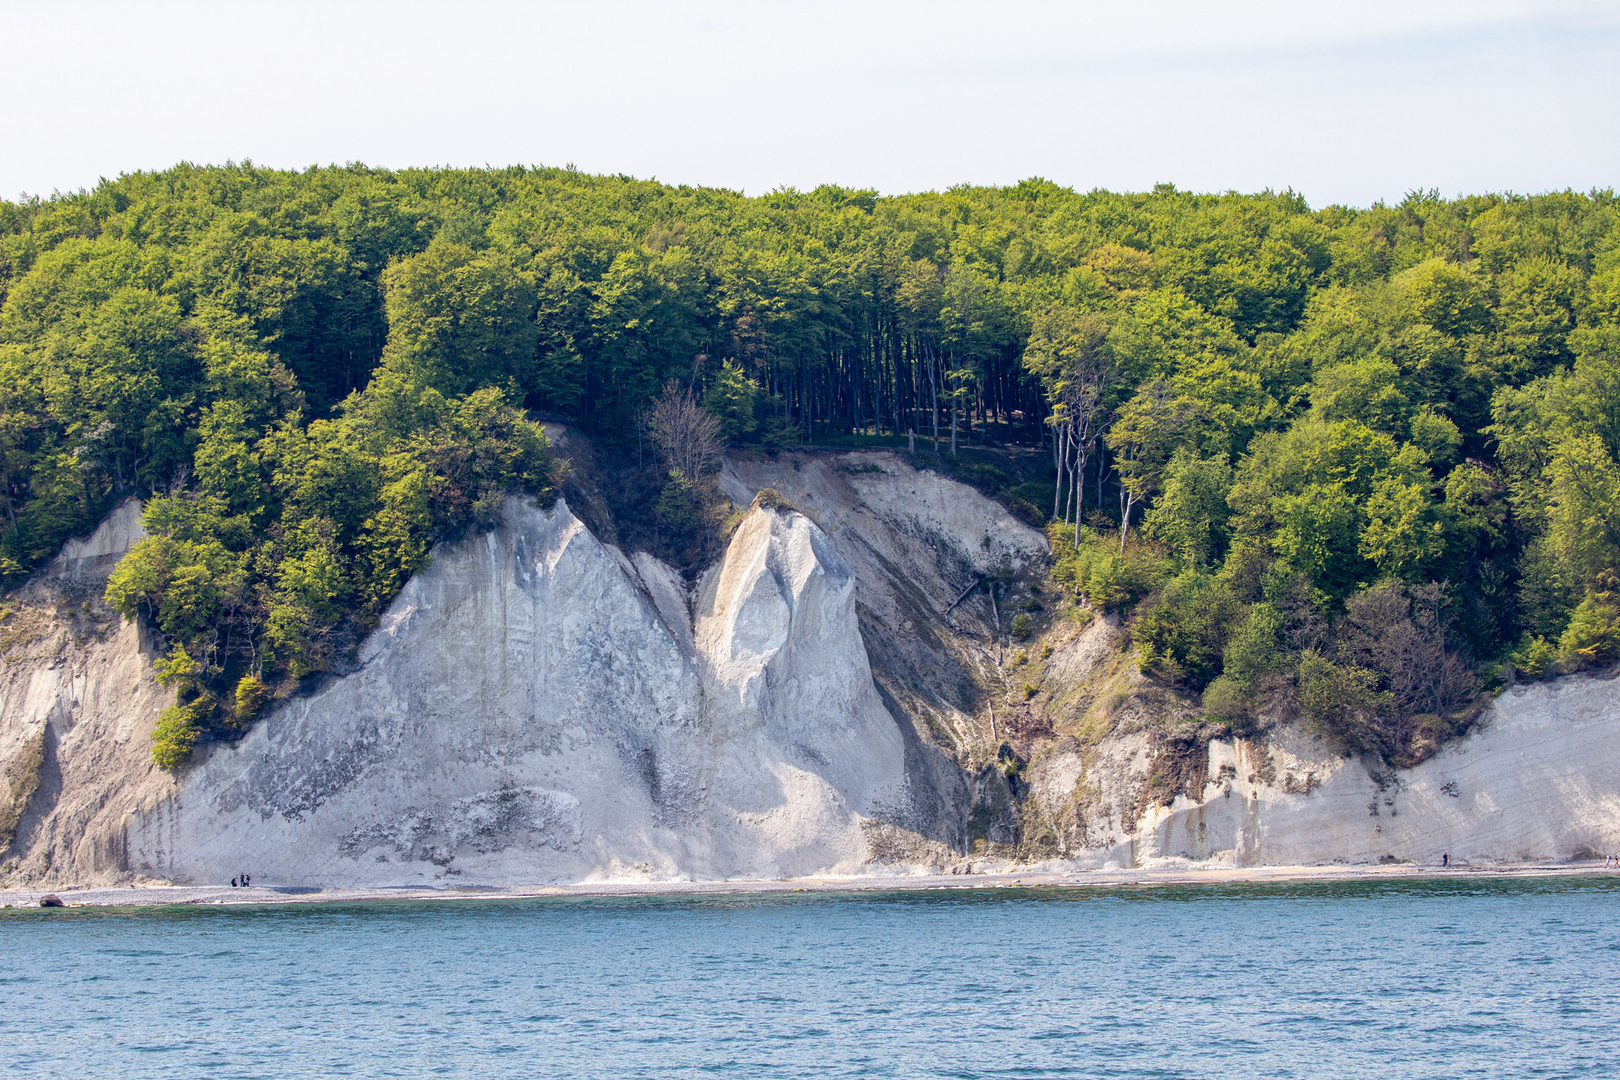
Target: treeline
(1261, 418)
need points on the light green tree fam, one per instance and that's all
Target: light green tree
(732, 398)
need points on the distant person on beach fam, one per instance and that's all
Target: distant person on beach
(233, 883)
(1445, 860)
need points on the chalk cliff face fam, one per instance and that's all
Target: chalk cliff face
(828, 698)
(77, 702)
(1538, 779)
(537, 707)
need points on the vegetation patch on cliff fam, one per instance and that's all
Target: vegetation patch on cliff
(21, 780)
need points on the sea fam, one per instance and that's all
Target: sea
(1384, 979)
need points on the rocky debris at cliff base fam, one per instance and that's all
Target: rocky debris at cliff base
(1177, 876)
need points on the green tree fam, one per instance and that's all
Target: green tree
(1144, 436)
(645, 324)
(1192, 512)
(459, 319)
(1068, 352)
(732, 399)
(1585, 508)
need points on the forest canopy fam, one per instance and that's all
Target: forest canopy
(1351, 457)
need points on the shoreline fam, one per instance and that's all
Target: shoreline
(166, 895)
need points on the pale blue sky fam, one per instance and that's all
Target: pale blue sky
(1343, 102)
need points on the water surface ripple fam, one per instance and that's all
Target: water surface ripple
(1387, 979)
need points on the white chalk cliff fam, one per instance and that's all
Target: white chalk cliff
(537, 706)
(1538, 779)
(78, 699)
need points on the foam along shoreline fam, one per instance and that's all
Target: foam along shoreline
(161, 895)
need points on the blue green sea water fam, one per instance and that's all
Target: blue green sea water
(1388, 979)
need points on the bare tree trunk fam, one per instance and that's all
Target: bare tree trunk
(1080, 488)
(911, 369)
(933, 401)
(1058, 460)
(1077, 491)
(1101, 458)
(956, 404)
(1129, 498)
(894, 388)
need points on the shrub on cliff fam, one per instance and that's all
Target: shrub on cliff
(250, 695)
(176, 733)
(1390, 681)
(771, 499)
(1593, 634)
(21, 781)
(1183, 629)
(678, 507)
(1091, 563)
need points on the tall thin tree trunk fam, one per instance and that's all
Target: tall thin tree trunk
(895, 387)
(933, 401)
(956, 404)
(1102, 456)
(1058, 462)
(1080, 488)
(1075, 489)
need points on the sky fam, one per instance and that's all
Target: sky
(1343, 102)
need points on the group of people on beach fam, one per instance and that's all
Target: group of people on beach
(1611, 862)
(243, 879)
